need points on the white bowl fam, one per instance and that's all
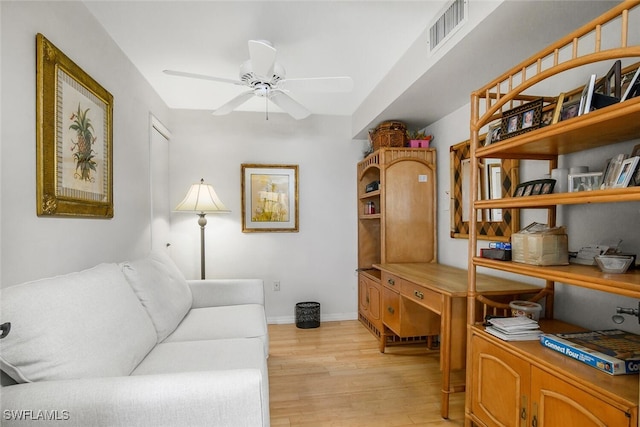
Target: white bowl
(613, 263)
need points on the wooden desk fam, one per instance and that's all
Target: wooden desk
(442, 290)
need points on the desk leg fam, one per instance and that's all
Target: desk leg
(445, 354)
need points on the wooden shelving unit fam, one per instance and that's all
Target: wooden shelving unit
(539, 386)
(403, 227)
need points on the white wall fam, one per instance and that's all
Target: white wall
(316, 264)
(33, 247)
(585, 225)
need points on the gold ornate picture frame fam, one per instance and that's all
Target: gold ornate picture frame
(74, 130)
(269, 198)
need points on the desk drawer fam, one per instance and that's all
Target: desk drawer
(406, 319)
(391, 310)
(391, 281)
(423, 296)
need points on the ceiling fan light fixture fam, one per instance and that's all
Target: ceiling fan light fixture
(261, 90)
(265, 78)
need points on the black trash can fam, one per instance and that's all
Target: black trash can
(307, 315)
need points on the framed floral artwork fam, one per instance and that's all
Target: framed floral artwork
(74, 157)
(269, 198)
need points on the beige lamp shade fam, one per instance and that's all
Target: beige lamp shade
(202, 198)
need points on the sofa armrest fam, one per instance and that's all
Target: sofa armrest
(220, 292)
(223, 398)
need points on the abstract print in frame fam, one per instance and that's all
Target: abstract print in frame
(74, 138)
(269, 198)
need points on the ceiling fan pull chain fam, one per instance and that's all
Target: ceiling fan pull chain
(266, 108)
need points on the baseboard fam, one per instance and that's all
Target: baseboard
(335, 317)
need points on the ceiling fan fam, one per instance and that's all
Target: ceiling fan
(266, 78)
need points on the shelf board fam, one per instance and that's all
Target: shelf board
(610, 125)
(610, 195)
(370, 216)
(627, 284)
(370, 194)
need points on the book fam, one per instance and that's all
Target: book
(612, 351)
(528, 335)
(513, 323)
(514, 328)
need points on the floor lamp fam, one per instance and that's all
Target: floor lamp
(202, 199)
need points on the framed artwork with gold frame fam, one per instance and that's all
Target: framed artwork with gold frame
(74, 153)
(269, 198)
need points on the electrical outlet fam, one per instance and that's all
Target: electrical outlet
(276, 285)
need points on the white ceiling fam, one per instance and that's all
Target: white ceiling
(325, 38)
(360, 39)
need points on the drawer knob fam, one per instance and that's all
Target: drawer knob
(418, 294)
(391, 310)
(391, 282)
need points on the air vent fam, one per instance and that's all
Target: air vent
(451, 18)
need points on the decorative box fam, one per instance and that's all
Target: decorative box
(545, 247)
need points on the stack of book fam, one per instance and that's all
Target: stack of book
(514, 328)
(612, 351)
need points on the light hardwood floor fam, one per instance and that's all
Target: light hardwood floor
(334, 375)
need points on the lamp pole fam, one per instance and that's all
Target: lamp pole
(202, 221)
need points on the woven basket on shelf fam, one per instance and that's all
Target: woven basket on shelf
(389, 134)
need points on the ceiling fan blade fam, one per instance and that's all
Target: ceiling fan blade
(318, 84)
(202, 77)
(288, 104)
(233, 104)
(263, 56)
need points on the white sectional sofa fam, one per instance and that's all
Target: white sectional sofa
(135, 344)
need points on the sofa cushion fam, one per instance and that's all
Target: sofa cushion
(234, 321)
(80, 325)
(205, 355)
(161, 288)
(209, 355)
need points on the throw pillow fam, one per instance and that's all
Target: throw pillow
(162, 290)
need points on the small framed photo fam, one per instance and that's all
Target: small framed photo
(547, 186)
(632, 88)
(521, 119)
(493, 135)
(612, 170)
(547, 115)
(585, 181)
(569, 110)
(537, 188)
(512, 123)
(558, 108)
(627, 172)
(611, 83)
(542, 186)
(636, 176)
(534, 188)
(587, 95)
